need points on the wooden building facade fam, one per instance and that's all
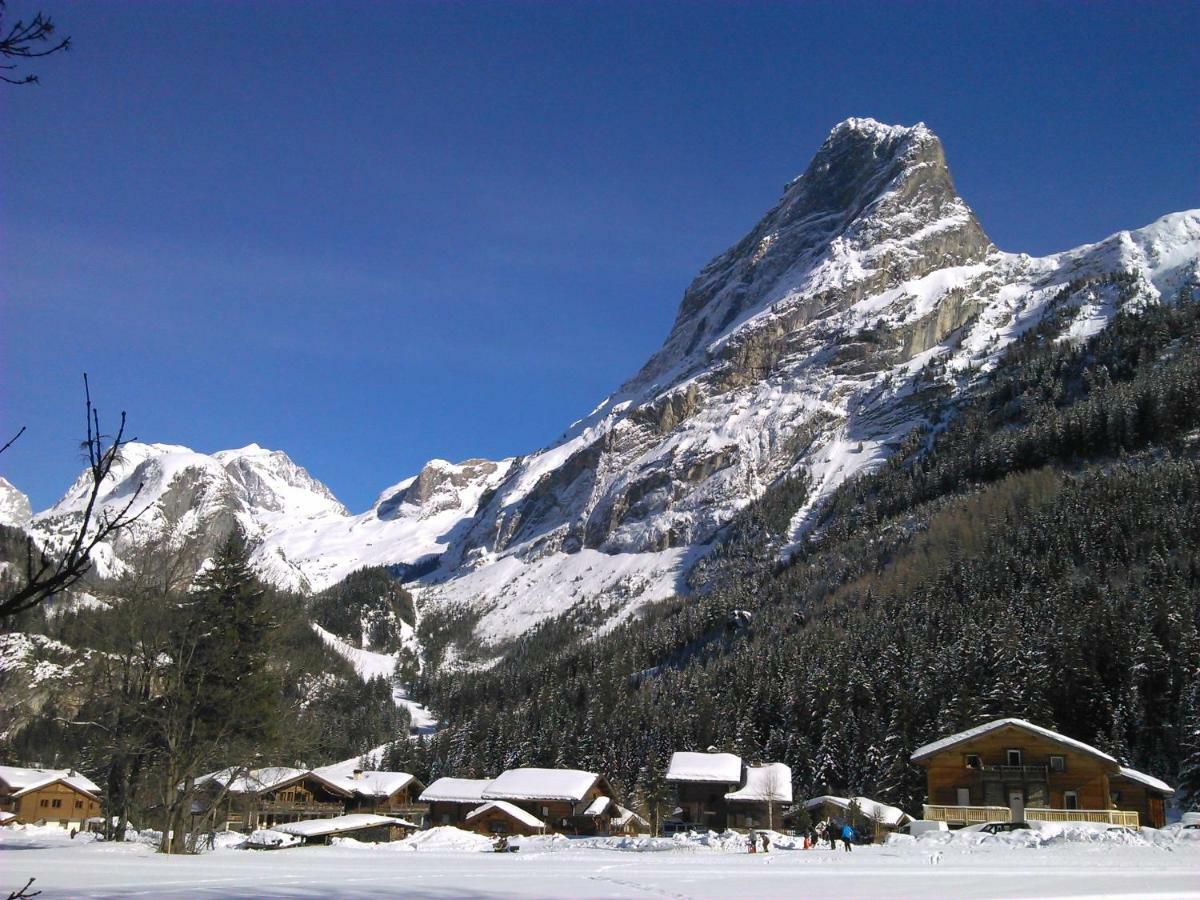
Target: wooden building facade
(50, 796)
(1011, 769)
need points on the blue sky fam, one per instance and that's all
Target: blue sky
(371, 234)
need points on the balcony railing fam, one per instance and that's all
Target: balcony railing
(975, 815)
(1107, 816)
(288, 806)
(967, 815)
(1038, 772)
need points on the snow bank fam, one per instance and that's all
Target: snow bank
(447, 837)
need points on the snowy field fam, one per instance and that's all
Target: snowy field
(445, 863)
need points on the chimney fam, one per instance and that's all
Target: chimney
(358, 774)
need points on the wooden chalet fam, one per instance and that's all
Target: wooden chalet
(499, 817)
(862, 812)
(567, 801)
(394, 794)
(48, 796)
(1012, 770)
(245, 800)
(717, 791)
(701, 782)
(762, 797)
(361, 826)
(626, 821)
(1144, 794)
(450, 800)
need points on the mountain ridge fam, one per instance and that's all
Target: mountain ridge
(856, 310)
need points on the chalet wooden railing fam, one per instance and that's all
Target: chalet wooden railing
(975, 815)
(968, 815)
(298, 806)
(1109, 816)
(1038, 772)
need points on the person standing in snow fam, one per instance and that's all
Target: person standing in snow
(847, 837)
(766, 843)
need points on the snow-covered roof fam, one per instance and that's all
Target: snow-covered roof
(771, 781)
(945, 743)
(872, 809)
(720, 767)
(6, 817)
(1148, 780)
(625, 816)
(455, 790)
(541, 784)
(339, 824)
(21, 780)
(509, 809)
(369, 783)
(597, 806)
(256, 781)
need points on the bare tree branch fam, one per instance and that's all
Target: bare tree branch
(47, 575)
(27, 40)
(12, 440)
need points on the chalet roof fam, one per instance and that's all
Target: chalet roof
(945, 743)
(256, 781)
(513, 812)
(724, 768)
(541, 784)
(6, 817)
(1148, 780)
(598, 806)
(455, 790)
(369, 783)
(625, 816)
(22, 780)
(338, 825)
(872, 809)
(772, 781)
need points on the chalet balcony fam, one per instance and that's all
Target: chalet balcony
(977, 815)
(296, 806)
(1015, 773)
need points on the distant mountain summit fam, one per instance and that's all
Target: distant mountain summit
(856, 310)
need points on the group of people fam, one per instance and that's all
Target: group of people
(828, 829)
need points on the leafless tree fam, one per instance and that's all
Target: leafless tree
(47, 573)
(27, 40)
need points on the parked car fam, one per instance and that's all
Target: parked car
(1001, 827)
(922, 826)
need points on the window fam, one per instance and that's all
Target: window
(56, 803)
(1115, 797)
(79, 804)
(43, 802)
(973, 761)
(1014, 757)
(964, 797)
(1058, 764)
(545, 811)
(1070, 800)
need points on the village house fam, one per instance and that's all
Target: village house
(701, 781)
(1014, 770)
(717, 791)
(760, 800)
(451, 800)
(244, 800)
(877, 818)
(50, 796)
(626, 821)
(380, 793)
(361, 826)
(566, 801)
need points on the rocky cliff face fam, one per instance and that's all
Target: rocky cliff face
(14, 506)
(856, 310)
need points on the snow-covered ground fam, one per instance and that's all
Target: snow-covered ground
(445, 863)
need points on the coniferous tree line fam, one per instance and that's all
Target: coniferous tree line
(1039, 557)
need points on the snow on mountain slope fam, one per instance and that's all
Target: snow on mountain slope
(851, 314)
(856, 310)
(368, 665)
(14, 505)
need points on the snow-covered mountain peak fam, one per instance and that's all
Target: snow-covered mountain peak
(14, 505)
